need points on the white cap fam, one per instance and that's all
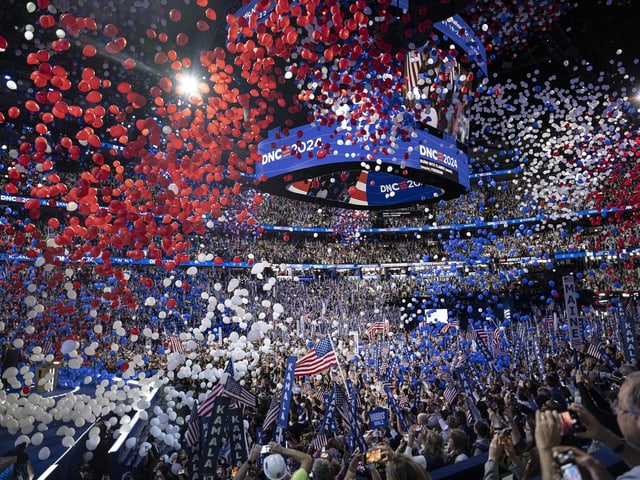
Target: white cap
(274, 467)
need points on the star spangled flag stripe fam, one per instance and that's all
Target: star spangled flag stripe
(175, 344)
(233, 389)
(206, 407)
(317, 360)
(194, 428)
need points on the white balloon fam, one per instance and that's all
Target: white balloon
(44, 453)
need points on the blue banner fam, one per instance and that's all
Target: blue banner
(396, 408)
(627, 324)
(285, 400)
(378, 418)
(236, 435)
(215, 437)
(328, 421)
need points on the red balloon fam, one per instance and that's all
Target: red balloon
(89, 51)
(175, 14)
(182, 39)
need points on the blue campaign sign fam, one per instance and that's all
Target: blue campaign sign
(378, 418)
(322, 165)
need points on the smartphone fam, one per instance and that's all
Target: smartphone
(373, 456)
(570, 471)
(570, 423)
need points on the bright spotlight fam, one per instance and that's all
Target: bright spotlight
(188, 85)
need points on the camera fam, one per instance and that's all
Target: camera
(566, 463)
(265, 449)
(570, 423)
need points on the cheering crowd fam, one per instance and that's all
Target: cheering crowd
(446, 400)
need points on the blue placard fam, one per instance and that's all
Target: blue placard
(378, 418)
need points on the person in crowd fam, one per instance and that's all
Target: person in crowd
(274, 465)
(458, 446)
(483, 438)
(627, 410)
(22, 468)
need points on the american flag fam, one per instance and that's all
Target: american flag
(194, 428)
(450, 393)
(272, 414)
(462, 359)
(412, 66)
(376, 327)
(594, 350)
(484, 336)
(317, 360)
(233, 389)
(175, 344)
(629, 309)
(448, 326)
(403, 401)
(320, 441)
(206, 407)
(320, 392)
(47, 346)
(471, 333)
(230, 370)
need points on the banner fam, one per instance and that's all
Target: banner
(627, 323)
(353, 419)
(394, 405)
(237, 439)
(285, 400)
(328, 421)
(378, 418)
(571, 307)
(465, 383)
(215, 438)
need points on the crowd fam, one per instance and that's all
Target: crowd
(446, 423)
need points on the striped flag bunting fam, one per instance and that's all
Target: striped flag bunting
(317, 360)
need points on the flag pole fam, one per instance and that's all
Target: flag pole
(344, 380)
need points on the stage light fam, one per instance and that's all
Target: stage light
(188, 85)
